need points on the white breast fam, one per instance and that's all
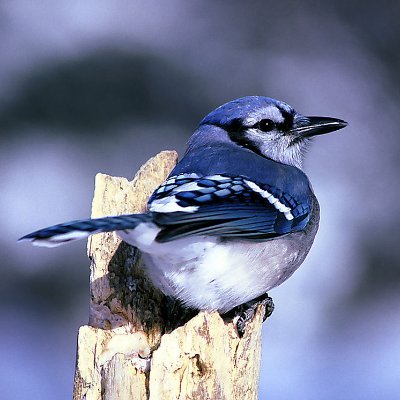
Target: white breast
(209, 274)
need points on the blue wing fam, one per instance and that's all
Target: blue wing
(225, 206)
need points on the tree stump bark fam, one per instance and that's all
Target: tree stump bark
(128, 322)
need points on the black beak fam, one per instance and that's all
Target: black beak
(312, 126)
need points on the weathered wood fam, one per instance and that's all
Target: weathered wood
(203, 359)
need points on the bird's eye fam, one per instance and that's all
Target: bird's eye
(265, 125)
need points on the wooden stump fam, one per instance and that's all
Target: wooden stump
(203, 359)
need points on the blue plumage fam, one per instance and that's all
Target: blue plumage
(240, 108)
(237, 215)
(225, 202)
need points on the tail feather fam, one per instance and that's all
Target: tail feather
(59, 234)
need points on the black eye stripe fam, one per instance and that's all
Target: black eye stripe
(287, 123)
(236, 124)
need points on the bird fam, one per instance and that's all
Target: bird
(237, 215)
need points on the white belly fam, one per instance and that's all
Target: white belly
(209, 274)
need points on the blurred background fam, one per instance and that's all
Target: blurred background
(101, 86)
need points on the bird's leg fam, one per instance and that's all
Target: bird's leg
(245, 312)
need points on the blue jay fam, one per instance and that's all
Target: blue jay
(236, 216)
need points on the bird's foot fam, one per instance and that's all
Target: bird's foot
(244, 313)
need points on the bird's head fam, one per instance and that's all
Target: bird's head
(269, 127)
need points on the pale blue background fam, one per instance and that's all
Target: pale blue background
(102, 86)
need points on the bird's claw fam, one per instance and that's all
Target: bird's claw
(245, 312)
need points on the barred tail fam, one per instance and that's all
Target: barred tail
(59, 234)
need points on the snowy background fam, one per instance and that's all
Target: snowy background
(100, 86)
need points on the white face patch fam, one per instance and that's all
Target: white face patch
(278, 147)
(272, 200)
(271, 112)
(274, 144)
